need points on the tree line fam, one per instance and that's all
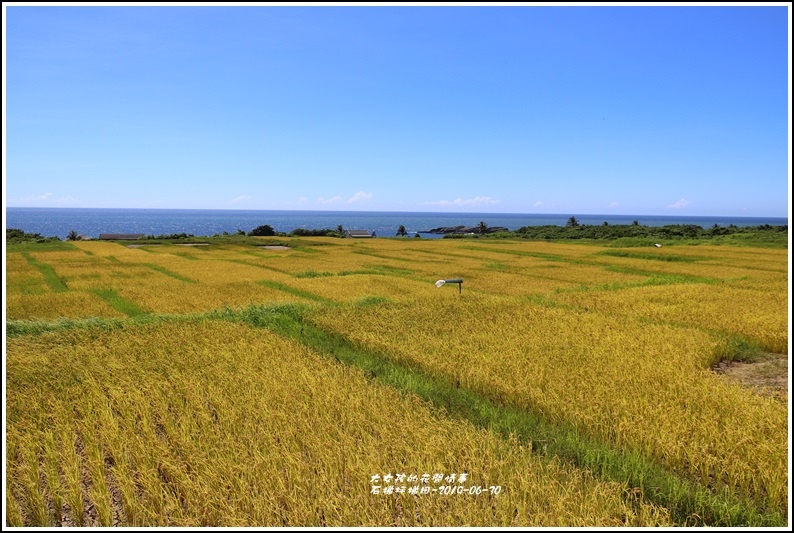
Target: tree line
(573, 229)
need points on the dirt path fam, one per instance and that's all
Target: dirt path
(768, 375)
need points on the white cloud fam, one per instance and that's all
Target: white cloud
(359, 196)
(40, 198)
(239, 199)
(470, 202)
(539, 204)
(680, 204)
(326, 201)
(47, 198)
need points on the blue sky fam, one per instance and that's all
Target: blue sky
(677, 110)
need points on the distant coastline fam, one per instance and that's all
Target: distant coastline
(206, 222)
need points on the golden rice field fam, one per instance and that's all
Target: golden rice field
(607, 374)
(164, 414)
(203, 423)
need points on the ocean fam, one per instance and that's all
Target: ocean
(207, 222)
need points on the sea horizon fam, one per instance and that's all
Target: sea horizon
(91, 221)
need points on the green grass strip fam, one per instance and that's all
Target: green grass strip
(389, 270)
(524, 253)
(257, 265)
(52, 279)
(661, 278)
(689, 504)
(370, 253)
(653, 280)
(500, 267)
(654, 257)
(312, 274)
(167, 272)
(292, 290)
(119, 303)
(19, 328)
(39, 246)
(307, 250)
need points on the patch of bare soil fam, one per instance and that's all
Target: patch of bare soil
(141, 245)
(273, 247)
(192, 243)
(768, 375)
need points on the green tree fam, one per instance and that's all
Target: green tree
(73, 236)
(262, 231)
(401, 231)
(482, 227)
(572, 222)
(340, 230)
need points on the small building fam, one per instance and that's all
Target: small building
(358, 233)
(121, 236)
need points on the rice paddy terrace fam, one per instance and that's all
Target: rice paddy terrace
(322, 381)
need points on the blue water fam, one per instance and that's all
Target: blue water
(91, 222)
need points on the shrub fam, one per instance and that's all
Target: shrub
(301, 232)
(262, 231)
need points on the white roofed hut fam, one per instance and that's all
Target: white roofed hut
(358, 233)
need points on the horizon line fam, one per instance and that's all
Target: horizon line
(676, 215)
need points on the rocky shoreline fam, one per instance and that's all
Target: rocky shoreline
(464, 230)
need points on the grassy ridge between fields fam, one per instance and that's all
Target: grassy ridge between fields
(689, 504)
(50, 276)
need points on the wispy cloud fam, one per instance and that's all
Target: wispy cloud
(360, 196)
(239, 199)
(469, 202)
(326, 201)
(680, 204)
(46, 198)
(539, 204)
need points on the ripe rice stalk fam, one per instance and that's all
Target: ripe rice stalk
(73, 475)
(53, 476)
(32, 479)
(224, 424)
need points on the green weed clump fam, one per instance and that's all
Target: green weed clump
(313, 274)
